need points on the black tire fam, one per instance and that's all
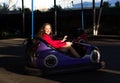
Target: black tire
(95, 56)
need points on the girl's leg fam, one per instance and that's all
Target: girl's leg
(68, 47)
(74, 52)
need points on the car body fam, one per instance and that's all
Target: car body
(43, 59)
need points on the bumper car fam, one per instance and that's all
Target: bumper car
(43, 59)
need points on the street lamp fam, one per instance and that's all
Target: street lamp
(23, 17)
(55, 16)
(32, 20)
(96, 27)
(94, 19)
(82, 15)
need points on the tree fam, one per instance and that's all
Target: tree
(0, 6)
(4, 8)
(106, 4)
(58, 8)
(27, 10)
(117, 4)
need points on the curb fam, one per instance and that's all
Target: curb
(104, 36)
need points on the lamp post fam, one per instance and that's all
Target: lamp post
(96, 26)
(55, 16)
(82, 15)
(100, 12)
(32, 20)
(94, 19)
(23, 17)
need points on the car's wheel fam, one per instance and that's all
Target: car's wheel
(50, 61)
(95, 56)
(31, 57)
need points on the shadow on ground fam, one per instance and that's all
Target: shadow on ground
(12, 57)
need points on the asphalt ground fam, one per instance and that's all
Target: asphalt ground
(12, 61)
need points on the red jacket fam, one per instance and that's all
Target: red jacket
(54, 43)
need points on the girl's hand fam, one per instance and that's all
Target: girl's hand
(64, 39)
(69, 43)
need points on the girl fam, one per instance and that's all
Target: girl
(46, 32)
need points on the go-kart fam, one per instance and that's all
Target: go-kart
(43, 59)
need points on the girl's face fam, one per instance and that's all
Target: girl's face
(47, 29)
